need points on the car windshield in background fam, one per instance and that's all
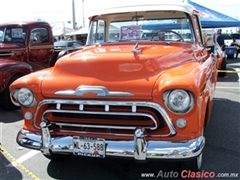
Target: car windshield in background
(60, 44)
(12, 35)
(1, 34)
(73, 44)
(235, 36)
(226, 36)
(146, 26)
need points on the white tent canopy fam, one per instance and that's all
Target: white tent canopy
(83, 30)
(59, 29)
(62, 31)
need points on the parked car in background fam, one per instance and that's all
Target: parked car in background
(126, 95)
(228, 38)
(65, 47)
(25, 46)
(236, 36)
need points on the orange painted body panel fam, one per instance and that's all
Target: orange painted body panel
(147, 75)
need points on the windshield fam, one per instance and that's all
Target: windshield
(145, 26)
(226, 36)
(235, 36)
(12, 34)
(67, 44)
(60, 43)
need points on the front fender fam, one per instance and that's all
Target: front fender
(10, 68)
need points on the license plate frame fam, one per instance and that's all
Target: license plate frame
(88, 146)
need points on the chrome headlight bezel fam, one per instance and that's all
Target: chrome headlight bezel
(24, 97)
(183, 97)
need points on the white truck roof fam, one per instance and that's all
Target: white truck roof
(151, 5)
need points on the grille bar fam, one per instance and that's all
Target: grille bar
(155, 124)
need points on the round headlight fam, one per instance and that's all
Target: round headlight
(179, 100)
(25, 97)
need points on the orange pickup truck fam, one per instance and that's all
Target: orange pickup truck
(141, 88)
(24, 47)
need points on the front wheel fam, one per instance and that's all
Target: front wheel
(55, 156)
(230, 56)
(193, 165)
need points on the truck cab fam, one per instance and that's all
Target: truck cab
(30, 42)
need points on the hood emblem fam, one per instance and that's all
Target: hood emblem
(136, 48)
(92, 91)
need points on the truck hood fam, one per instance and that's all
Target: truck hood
(4, 62)
(116, 67)
(9, 46)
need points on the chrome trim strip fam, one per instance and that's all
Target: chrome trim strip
(95, 133)
(98, 90)
(153, 105)
(102, 113)
(97, 126)
(108, 133)
(154, 149)
(9, 54)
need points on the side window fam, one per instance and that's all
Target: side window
(39, 35)
(99, 31)
(198, 31)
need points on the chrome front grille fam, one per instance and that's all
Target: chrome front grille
(109, 115)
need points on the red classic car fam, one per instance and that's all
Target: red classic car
(128, 93)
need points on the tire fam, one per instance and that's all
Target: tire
(55, 156)
(5, 96)
(50, 156)
(230, 56)
(223, 67)
(193, 165)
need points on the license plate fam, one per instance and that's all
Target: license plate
(86, 146)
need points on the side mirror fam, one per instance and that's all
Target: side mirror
(210, 49)
(206, 41)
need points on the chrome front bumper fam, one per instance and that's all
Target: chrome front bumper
(139, 148)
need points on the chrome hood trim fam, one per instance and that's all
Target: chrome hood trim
(96, 90)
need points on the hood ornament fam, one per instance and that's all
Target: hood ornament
(136, 48)
(92, 91)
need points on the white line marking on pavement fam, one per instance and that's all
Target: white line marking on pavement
(237, 69)
(24, 158)
(228, 87)
(1, 131)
